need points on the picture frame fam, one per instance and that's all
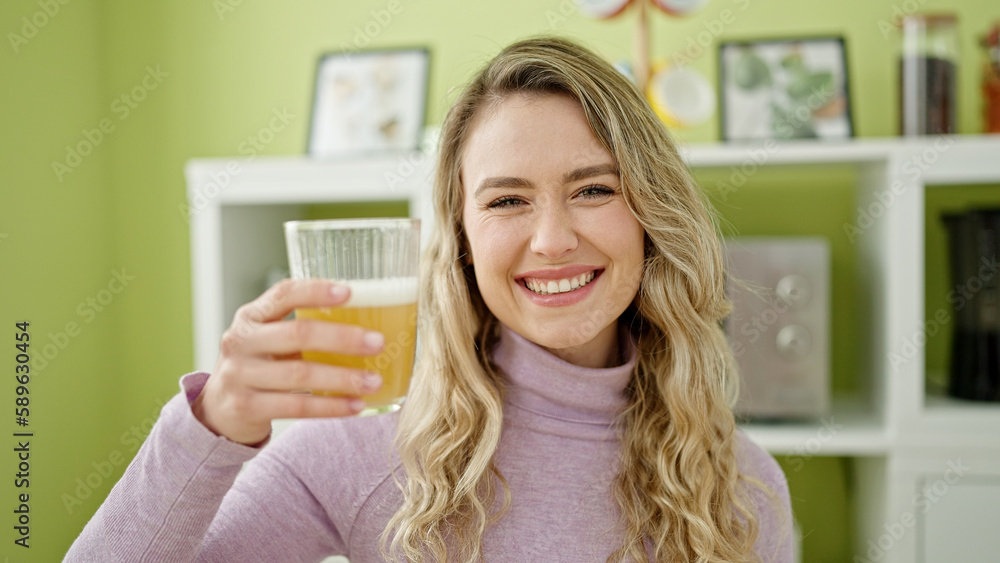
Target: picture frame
(794, 88)
(368, 102)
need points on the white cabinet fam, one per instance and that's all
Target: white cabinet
(900, 438)
(959, 518)
(942, 505)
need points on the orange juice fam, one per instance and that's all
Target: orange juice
(390, 307)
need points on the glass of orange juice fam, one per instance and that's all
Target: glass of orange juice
(379, 260)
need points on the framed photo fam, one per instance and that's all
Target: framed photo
(784, 89)
(369, 102)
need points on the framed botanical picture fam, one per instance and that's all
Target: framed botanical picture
(784, 89)
(369, 102)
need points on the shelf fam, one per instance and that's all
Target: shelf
(937, 160)
(974, 163)
(300, 179)
(303, 179)
(787, 152)
(850, 430)
(950, 422)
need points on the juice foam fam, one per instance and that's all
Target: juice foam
(382, 293)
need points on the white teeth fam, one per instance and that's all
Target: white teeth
(561, 286)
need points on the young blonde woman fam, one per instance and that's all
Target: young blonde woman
(571, 401)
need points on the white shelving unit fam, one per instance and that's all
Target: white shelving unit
(902, 440)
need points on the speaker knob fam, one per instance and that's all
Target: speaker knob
(793, 342)
(794, 290)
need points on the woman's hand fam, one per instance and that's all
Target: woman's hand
(260, 374)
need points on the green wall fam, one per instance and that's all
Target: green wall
(57, 250)
(218, 77)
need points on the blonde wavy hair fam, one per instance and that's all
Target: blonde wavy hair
(678, 484)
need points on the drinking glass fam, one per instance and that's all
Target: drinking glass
(378, 260)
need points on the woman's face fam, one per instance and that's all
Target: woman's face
(557, 253)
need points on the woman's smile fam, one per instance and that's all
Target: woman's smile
(559, 288)
(564, 285)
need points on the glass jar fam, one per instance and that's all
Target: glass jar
(928, 74)
(991, 80)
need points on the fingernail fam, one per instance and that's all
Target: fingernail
(374, 340)
(372, 380)
(356, 404)
(338, 291)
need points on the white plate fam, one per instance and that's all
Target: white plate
(602, 9)
(680, 7)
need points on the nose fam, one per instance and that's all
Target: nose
(554, 233)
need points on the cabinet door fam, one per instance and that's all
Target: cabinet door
(959, 518)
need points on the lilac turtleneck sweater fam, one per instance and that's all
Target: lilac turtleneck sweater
(324, 487)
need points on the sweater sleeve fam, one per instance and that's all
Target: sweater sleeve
(775, 542)
(175, 502)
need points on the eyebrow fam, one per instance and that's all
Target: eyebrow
(572, 176)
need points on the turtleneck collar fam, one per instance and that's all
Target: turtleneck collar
(543, 384)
